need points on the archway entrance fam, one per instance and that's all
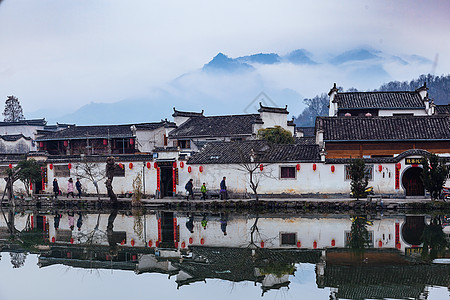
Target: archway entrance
(412, 230)
(412, 182)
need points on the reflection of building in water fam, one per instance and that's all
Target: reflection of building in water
(262, 249)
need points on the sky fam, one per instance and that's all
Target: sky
(57, 56)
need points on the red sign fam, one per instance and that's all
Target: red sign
(174, 174)
(158, 186)
(397, 234)
(397, 178)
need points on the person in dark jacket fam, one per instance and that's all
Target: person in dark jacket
(223, 189)
(55, 188)
(190, 224)
(189, 187)
(78, 186)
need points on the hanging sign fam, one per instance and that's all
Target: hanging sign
(413, 161)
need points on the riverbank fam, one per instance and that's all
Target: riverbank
(320, 204)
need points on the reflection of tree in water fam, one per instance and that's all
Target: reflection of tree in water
(434, 240)
(113, 247)
(18, 259)
(359, 235)
(138, 225)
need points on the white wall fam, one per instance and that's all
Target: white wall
(415, 112)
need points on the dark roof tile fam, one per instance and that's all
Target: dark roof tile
(391, 100)
(397, 128)
(221, 126)
(238, 152)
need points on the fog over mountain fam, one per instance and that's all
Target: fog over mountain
(227, 85)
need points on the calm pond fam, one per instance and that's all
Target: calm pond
(119, 254)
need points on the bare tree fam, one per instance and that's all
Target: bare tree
(13, 110)
(110, 170)
(92, 172)
(251, 163)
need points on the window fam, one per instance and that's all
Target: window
(369, 171)
(165, 139)
(288, 238)
(184, 144)
(119, 172)
(61, 171)
(287, 173)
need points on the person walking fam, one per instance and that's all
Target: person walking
(78, 186)
(55, 188)
(71, 217)
(203, 190)
(70, 188)
(223, 189)
(189, 188)
(190, 223)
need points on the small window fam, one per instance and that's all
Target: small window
(119, 172)
(61, 171)
(369, 171)
(165, 140)
(288, 238)
(184, 144)
(288, 172)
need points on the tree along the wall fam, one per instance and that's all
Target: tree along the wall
(28, 171)
(276, 135)
(13, 110)
(359, 178)
(434, 175)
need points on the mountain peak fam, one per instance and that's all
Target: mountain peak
(222, 62)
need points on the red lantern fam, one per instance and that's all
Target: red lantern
(315, 245)
(155, 165)
(200, 169)
(333, 169)
(157, 243)
(380, 243)
(69, 166)
(398, 165)
(71, 240)
(181, 164)
(297, 167)
(174, 164)
(148, 165)
(299, 244)
(380, 168)
(191, 240)
(66, 143)
(398, 246)
(183, 245)
(261, 167)
(189, 169)
(41, 144)
(130, 165)
(10, 166)
(122, 242)
(202, 241)
(131, 141)
(176, 245)
(150, 243)
(105, 142)
(53, 239)
(121, 165)
(314, 167)
(262, 244)
(51, 166)
(333, 242)
(132, 242)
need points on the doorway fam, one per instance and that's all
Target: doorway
(167, 230)
(412, 229)
(166, 179)
(412, 182)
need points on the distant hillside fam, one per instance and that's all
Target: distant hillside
(439, 90)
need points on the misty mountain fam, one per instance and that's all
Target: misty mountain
(227, 85)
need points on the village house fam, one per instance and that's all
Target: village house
(168, 154)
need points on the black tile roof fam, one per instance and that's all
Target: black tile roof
(272, 109)
(307, 131)
(98, 131)
(238, 152)
(153, 126)
(220, 126)
(397, 128)
(14, 137)
(179, 113)
(443, 109)
(387, 100)
(34, 122)
(306, 140)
